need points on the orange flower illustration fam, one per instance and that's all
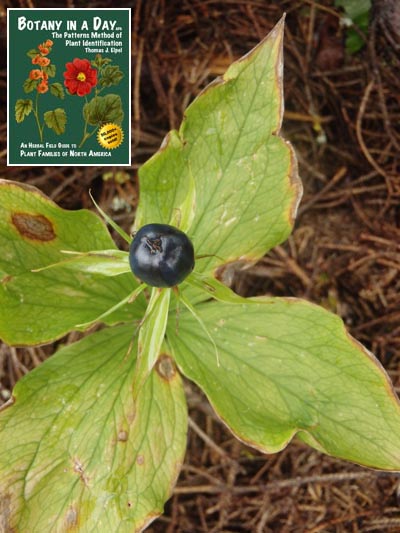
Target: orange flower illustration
(43, 61)
(43, 87)
(36, 74)
(43, 50)
(39, 81)
(80, 77)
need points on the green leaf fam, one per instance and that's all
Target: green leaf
(246, 182)
(213, 288)
(182, 217)
(50, 70)
(56, 120)
(103, 109)
(111, 75)
(165, 183)
(354, 8)
(288, 366)
(354, 42)
(131, 297)
(358, 11)
(58, 90)
(30, 85)
(104, 262)
(79, 453)
(23, 109)
(127, 238)
(151, 335)
(45, 305)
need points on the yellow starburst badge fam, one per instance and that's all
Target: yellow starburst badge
(110, 136)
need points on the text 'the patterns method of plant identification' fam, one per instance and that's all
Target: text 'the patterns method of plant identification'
(93, 439)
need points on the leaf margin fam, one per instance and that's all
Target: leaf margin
(379, 373)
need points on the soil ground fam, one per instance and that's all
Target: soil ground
(342, 116)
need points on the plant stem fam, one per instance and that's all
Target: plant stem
(36, 113)
(86, 134)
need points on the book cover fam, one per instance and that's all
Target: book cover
(69, 86)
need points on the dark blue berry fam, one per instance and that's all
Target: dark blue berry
(161, 255)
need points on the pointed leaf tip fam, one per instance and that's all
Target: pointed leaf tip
(245, 175)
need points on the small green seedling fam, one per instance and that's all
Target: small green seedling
(93, 439)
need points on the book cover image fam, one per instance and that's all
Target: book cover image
(69, 87)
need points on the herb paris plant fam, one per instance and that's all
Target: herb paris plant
(93, 439)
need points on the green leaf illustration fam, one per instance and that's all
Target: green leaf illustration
(50, 70)
(23, 109)
(58, 90)
(100, 61)
(33, 53)
(245, 174)
(79, 453)
(30, 85)
(288, 366)
(103, 109)
(111, 75)
(56, 120)
(46, 304)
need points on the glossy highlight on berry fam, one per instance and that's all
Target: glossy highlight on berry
(161, 255)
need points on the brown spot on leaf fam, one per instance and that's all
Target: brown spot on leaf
(165, 367)
(71, 519)
(6, 279)
(140, 460)
(122, 436)
(79, 469)
(34, 227)
(5, 514)
(131, 416)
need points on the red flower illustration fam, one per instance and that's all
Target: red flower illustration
(80, 77)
